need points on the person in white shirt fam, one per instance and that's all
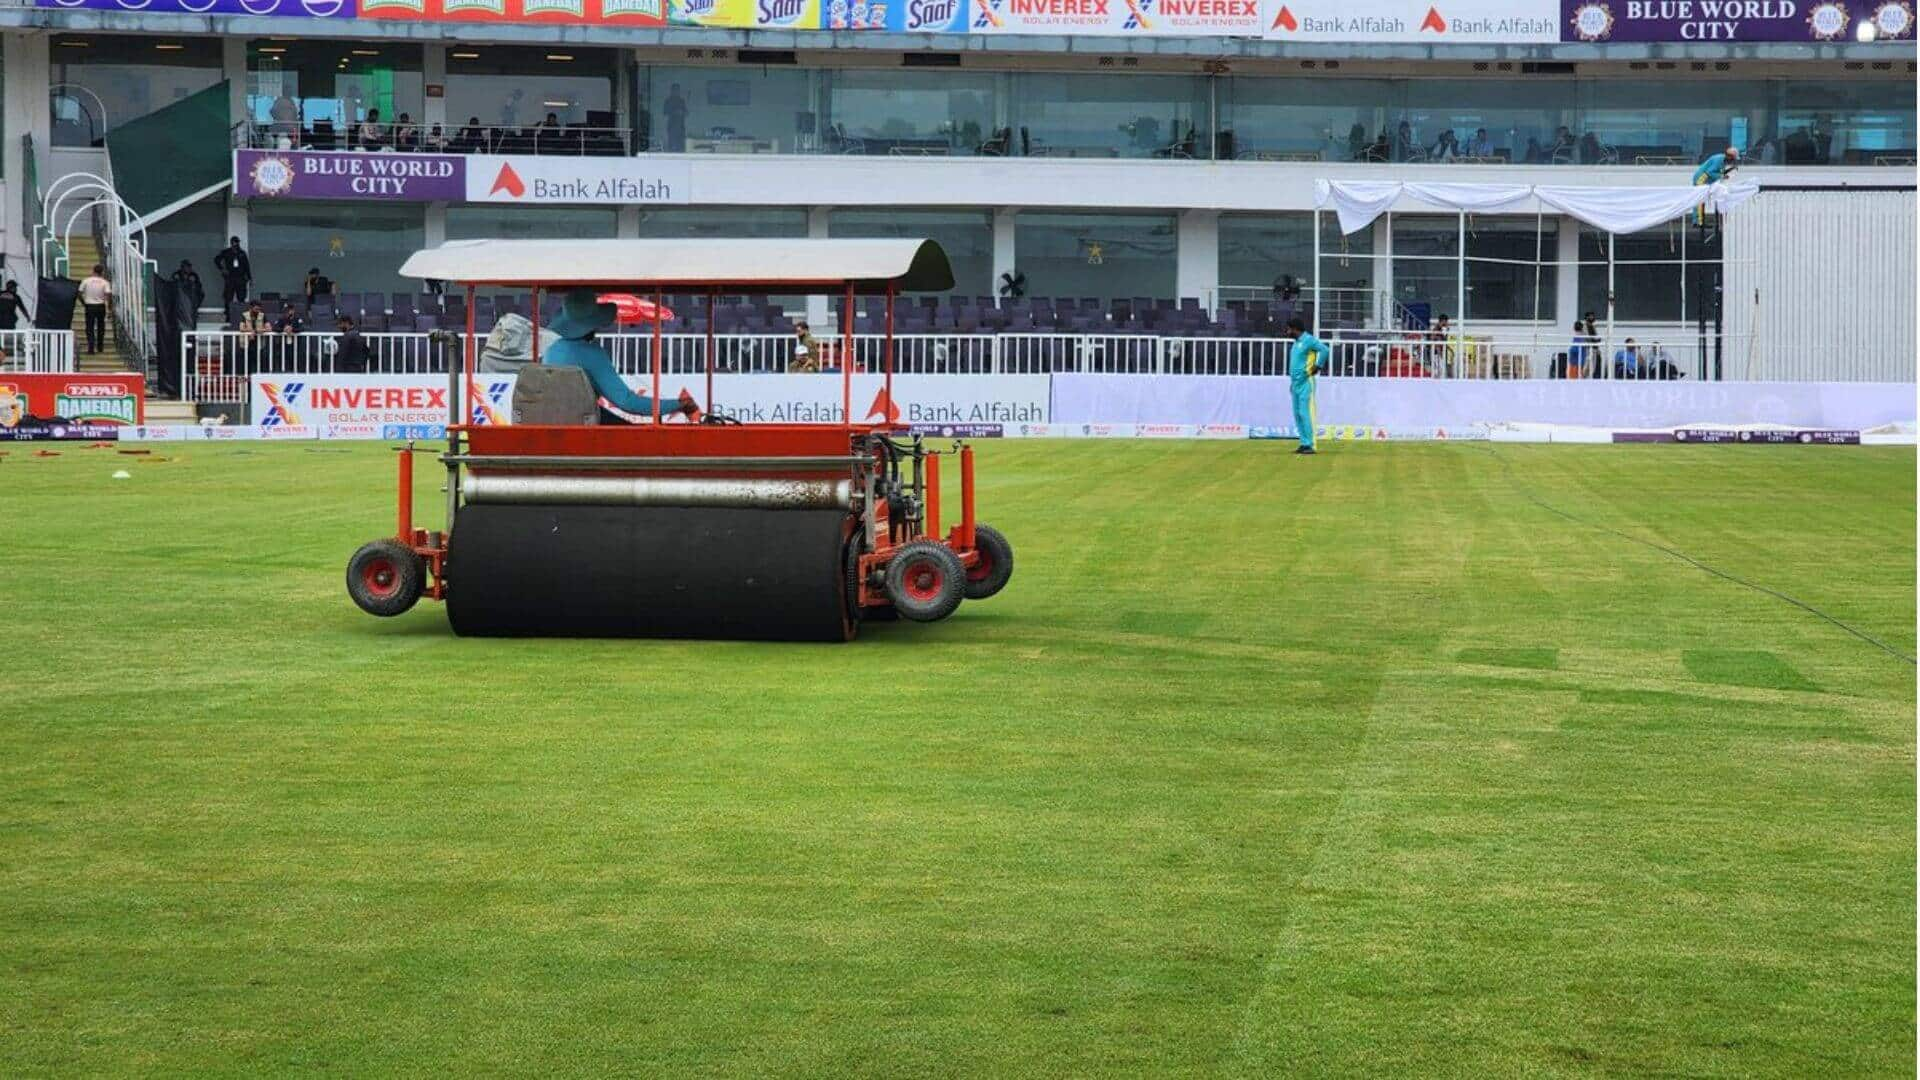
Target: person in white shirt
(95, 292)
(373, 133)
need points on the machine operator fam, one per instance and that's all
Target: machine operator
(581, 316)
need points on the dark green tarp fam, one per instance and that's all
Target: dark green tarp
(172, 152)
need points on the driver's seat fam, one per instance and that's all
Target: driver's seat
(554, 394)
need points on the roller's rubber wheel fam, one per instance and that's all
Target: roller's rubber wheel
(385, 578)
(989, 575)
(925, 581)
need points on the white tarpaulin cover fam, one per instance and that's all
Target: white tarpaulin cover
(1614, 209)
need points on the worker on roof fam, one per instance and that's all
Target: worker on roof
(1308, 358)
(1712, 171)
(581, 316)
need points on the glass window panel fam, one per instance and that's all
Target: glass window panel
(735, 221)
(732, 110)
(1335, 118)
(1506, 273)
(1108, 256)
(515, 88)
(101, 81)
(1646, 283)
(1110, 115)
(909, 112)
(1527, 120)
(530, 223)
(1257, 252)
(1425, 262)
(1653, 122)
(293, 85)
(1841, 122)
(359, 245)
(966, 237)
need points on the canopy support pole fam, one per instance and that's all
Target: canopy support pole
(846, 356)
(536, 324)
(1606, 352)
(887, 360)
(658, 302)
(1460, 295)
(1539, 239)
(708, 359)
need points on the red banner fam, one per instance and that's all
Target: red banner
(577, 12)
(35, 402)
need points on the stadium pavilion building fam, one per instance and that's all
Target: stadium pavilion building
(1165, 150)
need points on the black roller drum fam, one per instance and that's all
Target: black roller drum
(621, 571)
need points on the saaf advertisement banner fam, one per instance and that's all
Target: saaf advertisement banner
(415, 406)
(576, 12)
(1432, 22)
(746, 14)
(896, 16)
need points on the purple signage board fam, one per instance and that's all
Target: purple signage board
(324, 174)
(303, 9)
(1734, 20)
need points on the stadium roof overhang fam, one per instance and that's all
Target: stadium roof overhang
(794, 267)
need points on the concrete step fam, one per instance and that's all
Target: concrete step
(171, 412)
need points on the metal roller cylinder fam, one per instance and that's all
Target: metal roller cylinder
(528, 570)
(733, 492)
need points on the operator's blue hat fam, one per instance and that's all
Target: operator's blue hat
(581, 313)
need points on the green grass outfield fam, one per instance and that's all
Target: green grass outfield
(1360, 764)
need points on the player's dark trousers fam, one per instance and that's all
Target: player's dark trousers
(234, 291)
(96, 327)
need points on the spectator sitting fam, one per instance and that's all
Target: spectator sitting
(1403, 142)
(349, 348)
(1356, 142)
(1378, 151)
(806, 354)
(405, 135)
(1626, 361)
(1561, 152)
(472, 138)
(1534, 154)
(1481, 145)
(289, 323)
(318, 285)
(1657, 364)
(373, 133)
(252, 326)
(1445, 148)
(437, 140)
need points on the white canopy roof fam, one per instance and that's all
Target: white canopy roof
(1614, 209)
(767, 266)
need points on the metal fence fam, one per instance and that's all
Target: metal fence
(36, 351)
(216, 363)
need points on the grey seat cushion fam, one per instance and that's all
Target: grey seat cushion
(545, 394)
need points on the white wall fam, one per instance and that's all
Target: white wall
(1834, 275)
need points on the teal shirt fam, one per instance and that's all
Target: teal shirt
(1306, 345)
(594, 360)
(1711, 171)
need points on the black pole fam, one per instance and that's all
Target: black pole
(1719, 325)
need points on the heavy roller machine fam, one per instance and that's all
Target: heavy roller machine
(561, 525)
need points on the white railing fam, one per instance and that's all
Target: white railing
(216, 363)
(36, 351)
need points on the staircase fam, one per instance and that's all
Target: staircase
(82, 256)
